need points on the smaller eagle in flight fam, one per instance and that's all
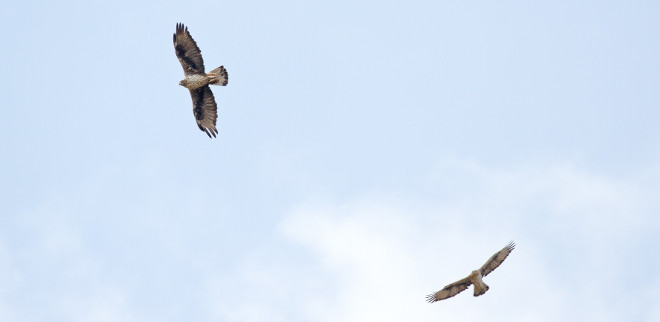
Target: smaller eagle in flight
(197, 81)
(474, 278)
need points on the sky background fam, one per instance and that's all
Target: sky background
(370, 152)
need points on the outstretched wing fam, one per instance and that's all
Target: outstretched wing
(205, 109)
(187, 51)
(497, 259)
(449, 290)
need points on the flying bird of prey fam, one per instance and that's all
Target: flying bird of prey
(474, 278)
(197, 81)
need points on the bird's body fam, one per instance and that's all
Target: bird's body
(475, 278)
(197, 81)
(479, 286)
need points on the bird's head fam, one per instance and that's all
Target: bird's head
(183, 83)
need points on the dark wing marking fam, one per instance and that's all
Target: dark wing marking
(449, 290)
(187, 51)
(497, 259)
(205, 110)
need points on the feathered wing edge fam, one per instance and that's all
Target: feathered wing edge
(449, 290)
(187, 51)
(497, 259)
(205, 109)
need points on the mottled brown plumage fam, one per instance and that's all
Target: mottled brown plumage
(197, 81)
(474, 278)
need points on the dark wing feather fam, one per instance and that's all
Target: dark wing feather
(205, 110)
(449, 290)
(497, 259)
(187, 51)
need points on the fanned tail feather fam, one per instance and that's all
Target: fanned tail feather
(480, 289)
(219, 76)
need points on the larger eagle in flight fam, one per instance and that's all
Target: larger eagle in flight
(197, 81)
(474, 278)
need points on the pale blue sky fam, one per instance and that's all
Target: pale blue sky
(369, 153)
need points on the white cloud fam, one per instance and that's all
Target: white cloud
(50, 272)
(375, 258)
(368, 249)
(583, 240)
(385, 260)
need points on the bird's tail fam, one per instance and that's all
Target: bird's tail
(480, 289)
(219, 76)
